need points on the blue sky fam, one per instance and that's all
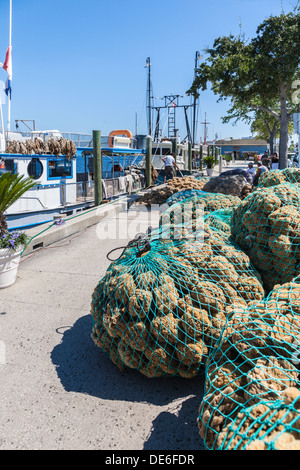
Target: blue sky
(79, 65)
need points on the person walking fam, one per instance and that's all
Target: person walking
(250, 170)
(265, 160)
(170, 163)
(260, 170)
(274, 161)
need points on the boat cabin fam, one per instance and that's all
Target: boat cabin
(163, 148)
(51, 173)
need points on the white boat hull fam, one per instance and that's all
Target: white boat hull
(27, 219)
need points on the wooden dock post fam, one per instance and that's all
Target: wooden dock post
(148, 161)
(97, 160)
(190, 156)
(201, 158)
(175, 151)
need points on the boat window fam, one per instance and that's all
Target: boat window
(35, 168)
(155, 151)
(59, 169)
(166, 151)
(7, 165)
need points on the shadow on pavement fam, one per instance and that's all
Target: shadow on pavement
(82, 367)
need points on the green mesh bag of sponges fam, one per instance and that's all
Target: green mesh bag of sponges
(220, 220)
(272, 425)
(161, 309)
(275, 177)
(209, 201)
(255, 361)
(267, 227)
(181, 195)
(188, 213)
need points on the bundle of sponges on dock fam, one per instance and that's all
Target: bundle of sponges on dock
(274, 177)
(253, 371)
(220, 220)
(189, 214)
(236, 182)
(187, 182)
(267, 227)
(194, 302)
(161, 194)
(155, 196)
(37, 146)
(210, 202)
(161, 312)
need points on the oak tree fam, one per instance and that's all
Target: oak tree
(257, 72)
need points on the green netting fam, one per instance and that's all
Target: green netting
(267, 226)
(181, 195)
(190, 300)
(188, 214)
(209, 201)
(267, 426)
(161, 311)
(255, 361)
(274, 177)
(220, 220)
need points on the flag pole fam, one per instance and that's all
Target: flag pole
(9, 97)
(1, 119)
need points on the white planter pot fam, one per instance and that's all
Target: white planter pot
(209, 171)
(9, 263)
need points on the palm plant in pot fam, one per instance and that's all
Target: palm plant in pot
(228, 159)
(12, 186)
(210, 161)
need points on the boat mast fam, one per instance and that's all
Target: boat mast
(205, 130)
(197, 58)
(149, 107)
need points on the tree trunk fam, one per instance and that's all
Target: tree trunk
(271, 142)
(283, 136)
(3, 224)
(273, 133)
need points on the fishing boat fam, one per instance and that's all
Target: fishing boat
(165, 147)
(166, 123)
(64, 184)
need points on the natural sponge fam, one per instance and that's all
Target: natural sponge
(162, 310)
(267, 226)
(265, 426)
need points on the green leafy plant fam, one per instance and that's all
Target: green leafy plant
(13, 240)
(257, 74)
(210, 161)
(12, 187)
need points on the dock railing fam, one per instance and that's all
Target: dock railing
(111, 188)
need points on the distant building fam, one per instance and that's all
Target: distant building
(240, 148)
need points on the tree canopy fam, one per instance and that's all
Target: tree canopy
(255, 73)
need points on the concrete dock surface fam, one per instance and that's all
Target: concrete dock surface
(59, 391)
